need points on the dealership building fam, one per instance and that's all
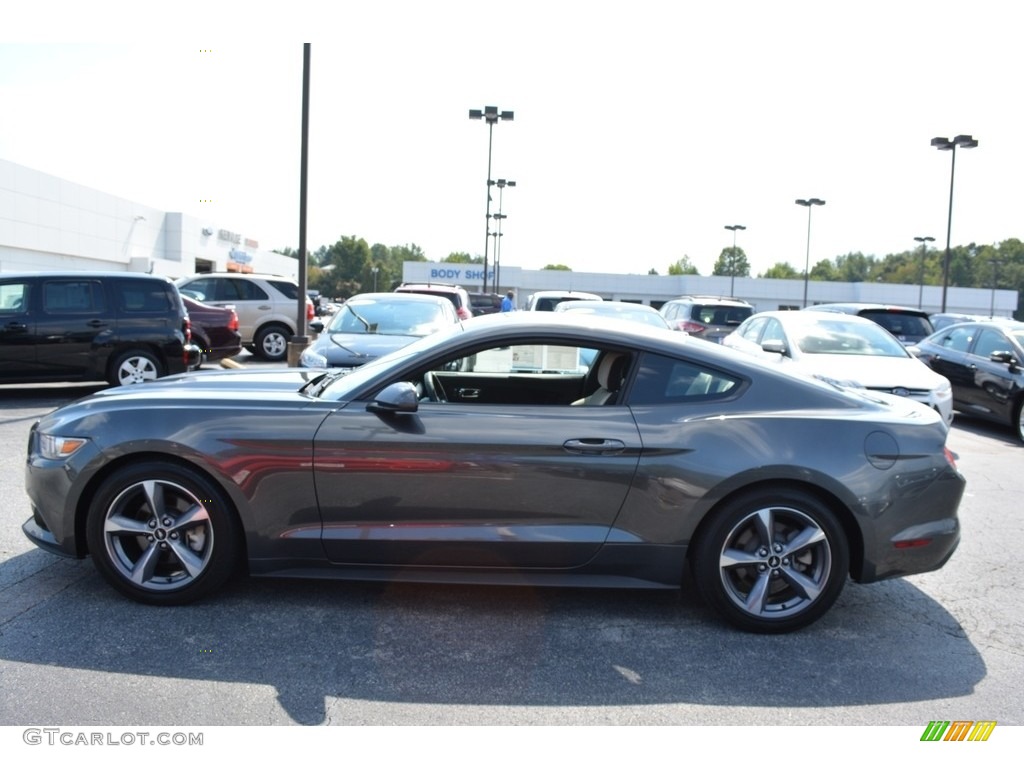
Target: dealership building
(48, 224)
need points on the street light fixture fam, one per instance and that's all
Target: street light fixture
(501, 184)
(995, 279)
(924, 250)
(491, 115)
(808, 204)
(963, 141)
(732, 258)
(375, 270)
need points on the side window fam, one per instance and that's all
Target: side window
(958, 339)
(204, 287)
(662, 380)
(288, 289)
(14, 298)
(752, 330)
(242, 290)
(142, 296)
(989, 341)
(70, 297)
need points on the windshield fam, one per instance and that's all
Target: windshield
(389, 318)
(838, 337)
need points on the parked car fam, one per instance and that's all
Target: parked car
(984, 361)
(844, 348)
(940, 320)
(481, 454)
(456, 294)
(119, 327)
(214, 330)
(907, 324)
(546, 301)
(484, 303)
(372, 324)
(266, 307)
(623, 310)
(711, 318)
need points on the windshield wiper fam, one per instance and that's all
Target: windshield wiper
(370, 327)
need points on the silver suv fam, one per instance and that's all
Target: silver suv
(265, 305)
(456, 294)
(707, 317)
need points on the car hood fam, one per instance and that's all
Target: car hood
(872, 372)
(223, 380)
(353, 349)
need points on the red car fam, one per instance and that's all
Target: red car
(214, 330)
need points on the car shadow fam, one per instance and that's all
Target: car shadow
(986, 428)
(471, 645)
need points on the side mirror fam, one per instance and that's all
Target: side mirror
(775, 346)
(400, 397)
(316, 326)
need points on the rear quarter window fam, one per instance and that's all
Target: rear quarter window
(138, 297)
(662, 379)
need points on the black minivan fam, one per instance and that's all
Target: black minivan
(122, 327)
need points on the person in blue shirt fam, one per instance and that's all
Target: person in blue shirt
(508, 303)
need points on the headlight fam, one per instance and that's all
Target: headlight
(311, 359)
(943, 388)
(57, 447)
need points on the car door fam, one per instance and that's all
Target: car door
(946, 353)
(473, 483)
(17, 330)
(74, 328)
(995, 385)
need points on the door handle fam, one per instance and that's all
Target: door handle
(466, 393)
(594, 445)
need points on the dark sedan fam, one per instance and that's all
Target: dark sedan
(214, 330)
(373, 324)
(984, 361)
(492, 453)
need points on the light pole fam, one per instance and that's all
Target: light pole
(942, 143)
(732, 259)
(491, 115)
(375, 270)
(995, 279)
(924, 250)
(809, 203)
(502, 183)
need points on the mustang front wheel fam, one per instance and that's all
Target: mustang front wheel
(772, 561)
(162, 534)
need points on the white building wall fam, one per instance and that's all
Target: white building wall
(49, 223)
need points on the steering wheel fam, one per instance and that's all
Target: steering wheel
(433, 388)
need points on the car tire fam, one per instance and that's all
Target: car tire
(272, 343)
(175, 557)
(136, 366)
(771, 561)
(1018, 419)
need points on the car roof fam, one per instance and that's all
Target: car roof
(858, 306)
(702, 299)
(414, 298)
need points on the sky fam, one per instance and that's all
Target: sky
(641, 129)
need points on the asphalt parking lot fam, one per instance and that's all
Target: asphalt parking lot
(946, 645)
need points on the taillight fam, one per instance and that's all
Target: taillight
(463, 313)
(233, 322)
(950, 457)
(310, 313)
(691, 327)
(186, 328)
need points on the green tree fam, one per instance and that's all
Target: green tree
(652, 271)
(732, 262)
(781, 271)
(823, 270)
(683, 267)
(461, 257)
(560, 267)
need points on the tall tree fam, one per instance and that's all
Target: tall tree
(732, 262)
(781, 270)
(683, 267)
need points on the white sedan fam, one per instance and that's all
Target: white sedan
(845, 349)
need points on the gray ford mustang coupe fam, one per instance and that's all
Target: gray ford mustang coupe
(516, 448)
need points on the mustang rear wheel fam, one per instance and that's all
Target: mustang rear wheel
(162, 534)
(772, 561)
